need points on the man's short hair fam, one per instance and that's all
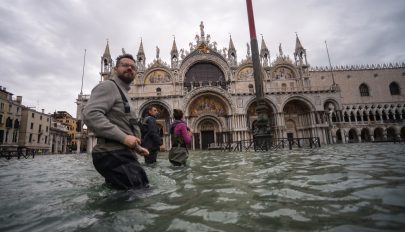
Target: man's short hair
(149, 108)
(126, 55)
(177, 114)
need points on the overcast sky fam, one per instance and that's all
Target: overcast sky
(42, 42)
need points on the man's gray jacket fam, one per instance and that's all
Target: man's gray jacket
(105, 116)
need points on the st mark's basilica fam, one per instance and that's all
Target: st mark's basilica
(342, 104)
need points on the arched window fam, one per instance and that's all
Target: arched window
(364, 90)
(346, 117)
(16, 124)
(334, 118)
(158, 91)
(9, 123)
(394, 89)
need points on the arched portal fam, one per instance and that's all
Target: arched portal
(252, 115)
(297, 112)
(208, 115)
(208, 132)
(291, 129)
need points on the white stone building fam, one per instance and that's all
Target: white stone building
(35, 130)
(10, 117)
(59, 137)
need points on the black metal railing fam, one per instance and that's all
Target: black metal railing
(9, 152)
(273, 144)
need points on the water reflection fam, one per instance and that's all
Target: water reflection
(353, 187)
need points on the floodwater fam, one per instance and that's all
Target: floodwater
(351, 187)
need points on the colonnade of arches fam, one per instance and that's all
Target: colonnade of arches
(369, 134)
(213, 121)
(366, 114)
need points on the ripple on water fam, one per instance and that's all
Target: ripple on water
(214, 216)
(182, 225)
(293, 214)
(388, 196)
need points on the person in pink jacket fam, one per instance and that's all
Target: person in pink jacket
(180, 136)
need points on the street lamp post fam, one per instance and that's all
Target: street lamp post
(262, 134)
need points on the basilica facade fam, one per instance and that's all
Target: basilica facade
(216, 91)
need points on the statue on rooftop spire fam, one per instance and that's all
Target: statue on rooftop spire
(202, 29)
(280, 50)
(157, 52)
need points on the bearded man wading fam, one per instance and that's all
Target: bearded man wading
(109, 115)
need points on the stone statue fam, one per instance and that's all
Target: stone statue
(202, 28)
(157, 52)
(248, 49)
(215, 45)
(224, 50)
(280, 50)
(123, 51)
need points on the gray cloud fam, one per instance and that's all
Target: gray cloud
(42, 42)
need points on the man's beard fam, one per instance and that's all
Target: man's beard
(127, 77)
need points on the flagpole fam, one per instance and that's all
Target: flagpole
(79, 113)
(261, 135)
(330, 64)
(84, 64)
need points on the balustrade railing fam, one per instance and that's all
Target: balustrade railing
(274, 144)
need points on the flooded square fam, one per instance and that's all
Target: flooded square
(351, 187)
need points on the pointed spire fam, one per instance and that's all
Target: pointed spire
(263, 45)
(106, 63)
(107, 50)
(231, 46)
(300, 57)
(232, 57)
(174, 55)
(140, 50)
(174, 47)
(140, 57)
(298, 45)
(263, 50)
(264, 54)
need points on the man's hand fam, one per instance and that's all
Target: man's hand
(131, 141)
(141, 150)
